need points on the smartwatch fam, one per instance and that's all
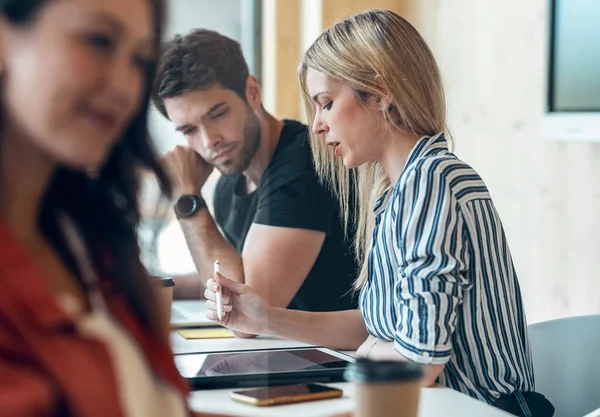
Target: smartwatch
(188, 204)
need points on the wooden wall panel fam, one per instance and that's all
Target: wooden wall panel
(334, 10)
(288, 28)
(281, 52)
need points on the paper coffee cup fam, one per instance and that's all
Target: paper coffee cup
(385, 388)
(164, 295)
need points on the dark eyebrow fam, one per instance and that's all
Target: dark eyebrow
(146, 44)
(316, 96)
(215, 108)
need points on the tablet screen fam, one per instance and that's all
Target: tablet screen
(215, 364)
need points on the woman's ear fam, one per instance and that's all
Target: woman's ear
(387, 102)
(253, 92)
(384, 101)
(386, 106)
(384, 98)
(389, 110)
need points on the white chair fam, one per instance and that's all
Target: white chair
(566, 363)
(595, 413)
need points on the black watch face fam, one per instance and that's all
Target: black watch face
(186, 204)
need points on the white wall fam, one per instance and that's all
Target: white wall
(492, 55)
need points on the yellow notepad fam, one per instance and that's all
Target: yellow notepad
(206, 333)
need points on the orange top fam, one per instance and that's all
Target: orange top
(45, 366)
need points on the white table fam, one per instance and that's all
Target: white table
(435, 402)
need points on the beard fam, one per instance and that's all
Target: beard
(251, 142)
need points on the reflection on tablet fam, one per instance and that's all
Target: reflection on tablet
(256, 362)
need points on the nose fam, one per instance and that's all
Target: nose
(319, 127)
(210, 139)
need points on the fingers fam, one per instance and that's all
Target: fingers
(212, 305)
(211, 302)
(211, 288)
(212, 316)
(177, 150)
(173, 156)
(212, 285)
(181, 153)
(210, 295)
(184, 167)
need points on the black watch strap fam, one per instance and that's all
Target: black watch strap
(188, 205)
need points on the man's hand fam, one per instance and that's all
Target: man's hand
(187, 170)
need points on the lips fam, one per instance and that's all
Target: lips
(223, 155)
(103, 119)
(336, 146)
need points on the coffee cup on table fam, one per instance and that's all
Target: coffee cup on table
(385, 388)
(163, 287)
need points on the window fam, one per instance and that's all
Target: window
(164, 250)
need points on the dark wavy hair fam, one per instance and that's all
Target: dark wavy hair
(105, 208)
(197, 61)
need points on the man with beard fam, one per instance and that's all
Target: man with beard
(281, 229)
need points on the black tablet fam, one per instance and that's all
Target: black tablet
(257, 368)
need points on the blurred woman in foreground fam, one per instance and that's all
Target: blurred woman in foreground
(78, 326)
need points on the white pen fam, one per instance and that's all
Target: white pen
(217, 268)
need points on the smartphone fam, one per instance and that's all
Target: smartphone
(285, 394)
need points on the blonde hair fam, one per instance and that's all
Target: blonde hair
(377, 54)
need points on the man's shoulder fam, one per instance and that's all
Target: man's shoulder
(291, 174)
(293, 152)
(294, 127)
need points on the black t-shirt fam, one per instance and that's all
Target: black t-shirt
(289, 195)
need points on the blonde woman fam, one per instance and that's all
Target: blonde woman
(437, 285)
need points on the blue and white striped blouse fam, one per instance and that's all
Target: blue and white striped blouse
(441, 282)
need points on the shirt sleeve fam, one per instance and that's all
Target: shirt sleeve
(433, 256)
(23, 392)
(291, 195)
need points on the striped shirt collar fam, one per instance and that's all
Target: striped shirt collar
(425, 146)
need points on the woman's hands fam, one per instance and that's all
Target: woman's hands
(243, 310)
